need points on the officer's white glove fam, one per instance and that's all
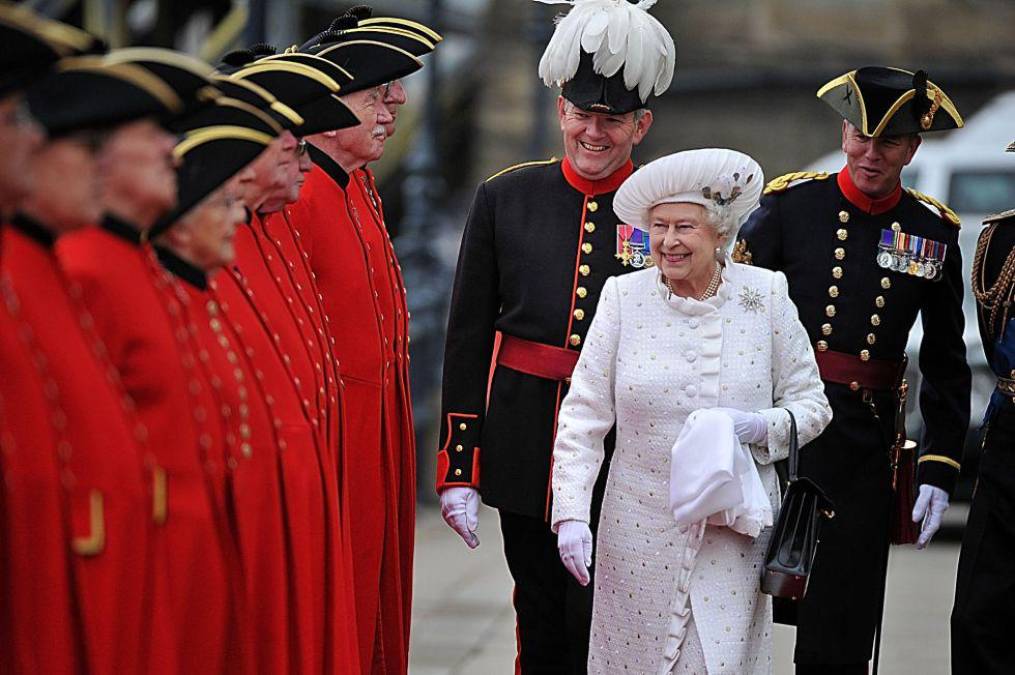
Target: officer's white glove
(574, 542)
(750, 427)
(930, 507)
(460, 508)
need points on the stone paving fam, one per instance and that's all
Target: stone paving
(463, 623)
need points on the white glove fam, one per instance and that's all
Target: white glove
(574, 542)
(930, 507)
(460, 508)
(750, 427)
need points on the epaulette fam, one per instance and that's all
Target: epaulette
(783, 182)
(998, 217)
(537, 162)
(945, 212)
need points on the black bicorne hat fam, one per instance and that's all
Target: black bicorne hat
(87, 93)
(32, 44)
(882, 101)
(207, 159)
(596, 93)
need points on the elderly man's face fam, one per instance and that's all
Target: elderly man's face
(66, 192)
(137, 165)
(597, 144)
(20, 137)
(394, 98)
(277, 175)
(875, 164)
(364, 143)
(206, 234)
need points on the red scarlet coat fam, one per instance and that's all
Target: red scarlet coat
(104, 468)
(351, 255)
(253, 490)
(37, 619)
(191, 599)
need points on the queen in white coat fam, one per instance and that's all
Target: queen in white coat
(695, 331)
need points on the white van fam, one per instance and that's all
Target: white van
(969, 171)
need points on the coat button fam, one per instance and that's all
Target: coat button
(837, 272)
(586, 248)
(575, 340)
(879, 301)
(830, 311)
(833, 291)
(584, 270)
(691, 356)
(896, 227)
(871, 338)
(842, 234)
(459, 448)
(590, 226)
(865, 355)
(693, 323)
(581, 292)
(875, 320)
(826, 329)
(458, 472)
(843, 216)
(579, 314)
(463, 426)
(593, 206)
(840, 253)
(886, 283)
(691, 391)
(822, 346)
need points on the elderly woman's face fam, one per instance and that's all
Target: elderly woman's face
(683, 242)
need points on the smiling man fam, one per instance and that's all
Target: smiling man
(539, 244)
(863, 257)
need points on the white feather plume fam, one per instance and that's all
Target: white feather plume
(618, 34)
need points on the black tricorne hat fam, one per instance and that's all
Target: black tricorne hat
(189, 77)
(883, 101)
(32, 44)
(357, 23)
(259, 97)
(306, 89)
(207, 159)
(86, 93)
(402, 24)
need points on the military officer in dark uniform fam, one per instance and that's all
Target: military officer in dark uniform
(984, 605)
(539, 244)
(863, 257)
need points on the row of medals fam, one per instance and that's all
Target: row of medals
(907, 263)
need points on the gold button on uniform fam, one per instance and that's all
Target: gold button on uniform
(837, 272)
(865, 355)
(586, 248)
(584, 270)
(463, 426)
(458, 472)
(593, 206)
(875, 320)
(579, 314)
(842, 234)
(826, 329)
(830, 311)
(833, 291)
(822, 346)
(581, 292)
(459, 448)
(590, 226)
(896, 227)
(854, 386)
(840, 253)
(879, 301)
(843, 216)
(575, 340)
(886, 283)
(871, 338)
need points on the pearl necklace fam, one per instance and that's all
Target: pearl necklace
(710, 290)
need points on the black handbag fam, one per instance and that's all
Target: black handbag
(796, 533)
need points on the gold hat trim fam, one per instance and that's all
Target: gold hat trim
(401, 32)
(848, 79)
(227, 102)
(127, 72)
(164, 56)
(204, 135)
(430, 33)
(63, 39)
(265, 66)
(284, 58)
(935, 94)
(385, 45)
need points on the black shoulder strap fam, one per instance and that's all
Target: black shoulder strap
(794, 447)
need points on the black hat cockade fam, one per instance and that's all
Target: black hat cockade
(373, 55)
(207, 158)
(609, 57)
(30, 45)
(883, 101)
(87, 93)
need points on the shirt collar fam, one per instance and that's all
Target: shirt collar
(596, 187)
(861, 201)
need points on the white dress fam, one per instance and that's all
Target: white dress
(649, 360)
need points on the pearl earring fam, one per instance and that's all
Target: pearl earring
(718, 254)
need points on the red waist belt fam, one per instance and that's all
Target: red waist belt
(536, 358)
(850, 369)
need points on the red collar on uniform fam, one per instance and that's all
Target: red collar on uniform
(596, 187)
(861, 201)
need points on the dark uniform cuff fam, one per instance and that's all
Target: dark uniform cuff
(938, 470)
(458, 460)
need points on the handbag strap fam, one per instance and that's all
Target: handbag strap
(794, 446)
